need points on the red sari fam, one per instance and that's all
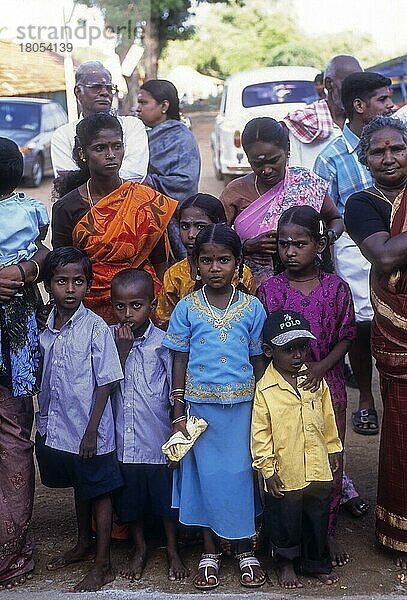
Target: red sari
(120, 232)
(389, 347)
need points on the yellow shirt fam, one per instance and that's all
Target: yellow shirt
(178, 283)
(292, 433)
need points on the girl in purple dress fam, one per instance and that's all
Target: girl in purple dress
(325, 300)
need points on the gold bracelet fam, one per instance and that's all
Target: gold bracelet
(37, 268)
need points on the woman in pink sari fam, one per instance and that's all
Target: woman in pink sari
(254, 203)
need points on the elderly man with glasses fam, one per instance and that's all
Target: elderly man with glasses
(94, 91)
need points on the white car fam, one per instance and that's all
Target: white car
(268, 92)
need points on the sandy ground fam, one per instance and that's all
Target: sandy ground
(370, 574)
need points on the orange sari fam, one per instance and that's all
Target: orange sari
(120, 232)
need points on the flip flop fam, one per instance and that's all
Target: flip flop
(209, 561)
(246, 563)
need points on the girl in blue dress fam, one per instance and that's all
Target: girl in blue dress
(215, 333)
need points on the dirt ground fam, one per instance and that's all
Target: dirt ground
(370, 573)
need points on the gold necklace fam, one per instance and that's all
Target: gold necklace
(90, 200)
(218, 320)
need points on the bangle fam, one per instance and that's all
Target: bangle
(180, 400)
(179, 419)
(37, 268)
(22, 272)
(177, 390)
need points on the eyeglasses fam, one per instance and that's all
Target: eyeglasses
(96, 88)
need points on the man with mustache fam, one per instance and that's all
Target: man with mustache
(94, 91)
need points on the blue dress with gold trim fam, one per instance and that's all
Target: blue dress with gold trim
(214, 485)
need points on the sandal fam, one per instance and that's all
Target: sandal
(356, 507)
(246, 563)
(365, 416)
(208, 561)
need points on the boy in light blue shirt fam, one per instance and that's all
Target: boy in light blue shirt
(75, 444)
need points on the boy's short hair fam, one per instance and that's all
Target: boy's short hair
(66, 255)
(284, 326)
(135, 277)
(11, 166)
(361, 85)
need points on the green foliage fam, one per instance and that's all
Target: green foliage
(295, 53)
(256, 33)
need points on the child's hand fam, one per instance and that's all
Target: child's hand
(335, 461)
(124, 338)
(314, 374)
(88, 446)
(182, 427)
(275, 486)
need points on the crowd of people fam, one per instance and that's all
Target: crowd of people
(217, 328)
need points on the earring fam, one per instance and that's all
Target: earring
(198, 276)
(81, 155)
(163, 111)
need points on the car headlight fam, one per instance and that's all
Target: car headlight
(24, 149)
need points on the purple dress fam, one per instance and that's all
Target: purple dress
(329, 310)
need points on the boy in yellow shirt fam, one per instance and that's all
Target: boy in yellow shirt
(295, 446)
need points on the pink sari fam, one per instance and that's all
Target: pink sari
(299, 187)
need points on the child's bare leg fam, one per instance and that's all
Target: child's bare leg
(137, 560)
(287, 576)
(176, 568)
(101, 572)
(84, 548)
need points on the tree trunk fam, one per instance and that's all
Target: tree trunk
(152, 47)
(133, 84)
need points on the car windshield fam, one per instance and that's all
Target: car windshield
(278, 92)
(16, 115)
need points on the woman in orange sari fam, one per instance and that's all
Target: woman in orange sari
(377, 221)
(119, 224)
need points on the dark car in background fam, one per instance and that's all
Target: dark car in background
(30, 123)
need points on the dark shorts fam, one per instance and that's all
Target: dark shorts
(90, 478)
(147, 488)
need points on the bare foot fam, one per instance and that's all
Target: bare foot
(136, 565)
(338, 555)
(98, 576)
(176, 568)
(401, 560)
(78, 553)
(328, 579)
(15, 581)
(287, 577)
